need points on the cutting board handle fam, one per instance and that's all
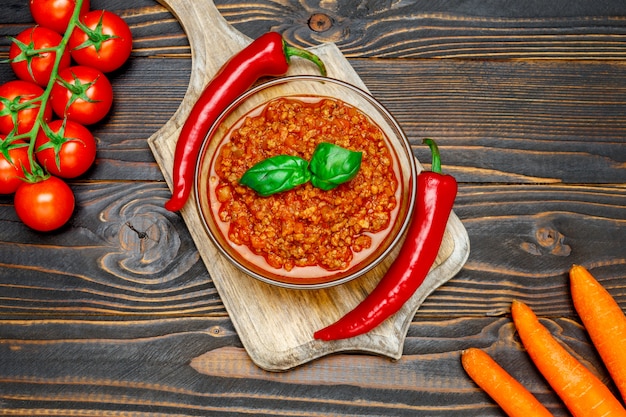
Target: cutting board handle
(211, 45)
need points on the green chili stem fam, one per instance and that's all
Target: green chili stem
(436, 158)
(43, 99)
(303, 53)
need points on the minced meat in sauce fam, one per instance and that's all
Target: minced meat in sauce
(306, 226)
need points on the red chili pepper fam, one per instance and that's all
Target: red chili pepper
(268, 55)
(436, 193)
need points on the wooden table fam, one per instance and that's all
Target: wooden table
(116, 314)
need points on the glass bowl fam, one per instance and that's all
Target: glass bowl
(307, 88)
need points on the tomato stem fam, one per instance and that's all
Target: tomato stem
(37, 172)
(37, 52)
(95, 37)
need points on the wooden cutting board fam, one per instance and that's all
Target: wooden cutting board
(275, 324)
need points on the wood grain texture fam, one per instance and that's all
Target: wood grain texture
(530, 110)
(444, 29)
(193, 366)
(121, 254)
(524, 239)
(497, 122)
(563, 30)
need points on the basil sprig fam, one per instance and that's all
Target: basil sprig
(330, 166)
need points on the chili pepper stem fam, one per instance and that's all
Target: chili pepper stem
(436, 158)
(303, 53)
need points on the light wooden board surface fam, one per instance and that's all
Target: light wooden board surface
(275, 324)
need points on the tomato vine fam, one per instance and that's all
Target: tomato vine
(36, 170)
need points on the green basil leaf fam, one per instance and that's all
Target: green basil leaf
(332, 165)
(276, 174)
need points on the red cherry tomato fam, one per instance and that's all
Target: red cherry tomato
(82, 94)
(45, 205)
(30, 65)
(68, 152)
(18, 106)
(12, 169)
(55, 14)
(106, 46)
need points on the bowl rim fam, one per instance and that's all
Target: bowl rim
(402, 137)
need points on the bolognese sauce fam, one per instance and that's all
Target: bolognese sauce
(305, 226)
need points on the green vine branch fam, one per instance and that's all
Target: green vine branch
(36, 171)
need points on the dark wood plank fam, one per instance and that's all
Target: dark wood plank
(124, 254)
(444, 29)
(384, 29)
(511, 121)
(524, 239)
(194, 366)
(156, 32)
(495, 121)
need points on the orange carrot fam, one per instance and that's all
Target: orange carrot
(511, 396)
(581, 391)
(604, 320)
